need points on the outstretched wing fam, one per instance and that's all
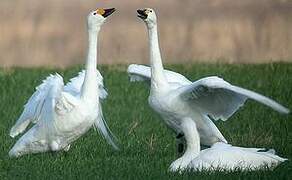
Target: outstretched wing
(51, 87)
(102, 127)
(143, 73)
(74, 85)
(219, 99)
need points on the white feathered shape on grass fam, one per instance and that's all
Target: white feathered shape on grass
(222, 156)
(186, 107)
(64, 113)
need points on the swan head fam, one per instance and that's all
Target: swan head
(97, 17)
(148, 16)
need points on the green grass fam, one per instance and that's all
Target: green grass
(147, 146)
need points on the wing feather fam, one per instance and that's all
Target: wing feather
(219, 99)
(35, 105)
(143, 73)
(102, 127)
(74, 85)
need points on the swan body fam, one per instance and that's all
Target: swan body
(64, 113)
(186, 107)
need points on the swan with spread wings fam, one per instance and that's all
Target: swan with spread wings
(189, 107)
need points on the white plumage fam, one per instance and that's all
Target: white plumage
(186, 106)
(211, 96)
(74, 85)
(223, 156)
(143, 73)
(64, 113)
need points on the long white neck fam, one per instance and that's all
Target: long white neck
(89, 88)
(158, 79)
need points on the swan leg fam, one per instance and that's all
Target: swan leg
(181, 144)
(180, 141)
(192, 138)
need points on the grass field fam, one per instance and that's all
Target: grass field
(147, 146)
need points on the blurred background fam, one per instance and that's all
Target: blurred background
(53, 32)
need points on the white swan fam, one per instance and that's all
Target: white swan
(186, 106)
(64, 113)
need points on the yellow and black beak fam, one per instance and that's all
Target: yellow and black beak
(105, 12)
(142, 14)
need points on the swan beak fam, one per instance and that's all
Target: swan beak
(108, 12)
(142, 14)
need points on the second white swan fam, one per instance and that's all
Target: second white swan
(186, 106)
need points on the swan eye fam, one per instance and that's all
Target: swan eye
(150, 10)
(94, 13)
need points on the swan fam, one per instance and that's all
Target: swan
(188, 107)
(61, 114)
